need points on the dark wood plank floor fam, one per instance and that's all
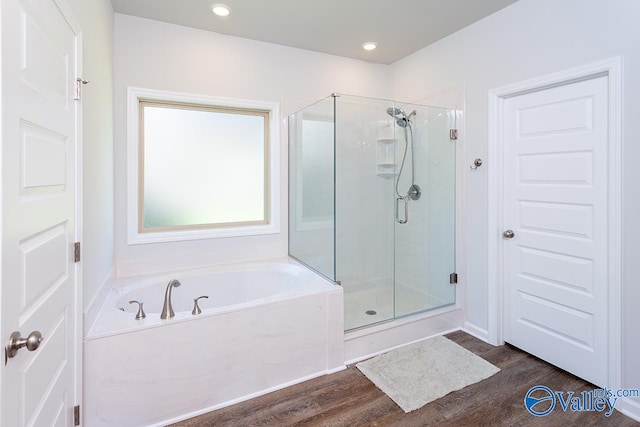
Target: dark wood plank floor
(348, 398)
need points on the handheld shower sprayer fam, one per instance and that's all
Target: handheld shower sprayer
(404, 121)
(395, 111)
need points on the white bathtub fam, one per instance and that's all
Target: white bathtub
(264, 326)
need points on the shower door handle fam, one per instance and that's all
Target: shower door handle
(406, 210)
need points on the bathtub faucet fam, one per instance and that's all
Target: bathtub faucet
(167, 309)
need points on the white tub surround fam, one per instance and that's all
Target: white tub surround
(153, 371)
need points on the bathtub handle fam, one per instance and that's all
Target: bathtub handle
(140, 314)
(196, 307)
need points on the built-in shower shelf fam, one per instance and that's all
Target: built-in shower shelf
(385, 164)
(386, 175)
(386, 170)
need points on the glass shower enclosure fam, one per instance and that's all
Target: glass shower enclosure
(372, 203)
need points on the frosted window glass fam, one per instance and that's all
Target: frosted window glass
(202, 167)
(317, 161)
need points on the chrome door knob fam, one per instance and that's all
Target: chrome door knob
(16, 342)
(508, 234)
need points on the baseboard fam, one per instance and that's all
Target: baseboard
(471, 329)
(629, 407)
(334, 370)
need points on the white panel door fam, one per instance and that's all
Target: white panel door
(555, 201)
(38, 212)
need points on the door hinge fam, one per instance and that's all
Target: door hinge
(453, 278)
(76, 252)
(76, 415)
(79, 83)
(453, 134)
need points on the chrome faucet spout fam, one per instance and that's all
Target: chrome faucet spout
(167, 309)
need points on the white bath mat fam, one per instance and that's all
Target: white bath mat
(419, 373)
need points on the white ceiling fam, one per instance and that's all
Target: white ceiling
(338, 27)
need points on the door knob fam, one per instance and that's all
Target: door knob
(16, 342)
(508, 234)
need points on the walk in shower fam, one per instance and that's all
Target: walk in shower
(372, 203)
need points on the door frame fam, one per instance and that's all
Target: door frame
(612, 69)
(78, 335)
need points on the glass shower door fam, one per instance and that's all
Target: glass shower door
(424, 255)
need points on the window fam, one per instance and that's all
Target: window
(200, 167)
(311, 171)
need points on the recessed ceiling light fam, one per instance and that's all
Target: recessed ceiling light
(220, 9)
(369, 45)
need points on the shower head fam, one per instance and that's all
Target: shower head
(398, 113)
(401, 117)
(402, 122)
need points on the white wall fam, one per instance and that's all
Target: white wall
(96, 20)
(528, 39)
(163, 56)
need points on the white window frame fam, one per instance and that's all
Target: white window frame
(134, 236)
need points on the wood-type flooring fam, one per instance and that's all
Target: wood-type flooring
(349, 399)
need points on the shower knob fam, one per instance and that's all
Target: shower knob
(414, 192)
(508, 234)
